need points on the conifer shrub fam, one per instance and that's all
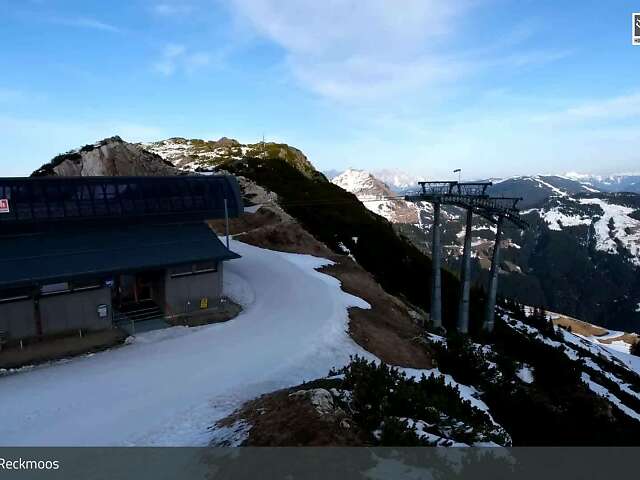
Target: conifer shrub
(396, 432)
(380, 393)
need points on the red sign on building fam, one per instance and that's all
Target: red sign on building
(4, 205)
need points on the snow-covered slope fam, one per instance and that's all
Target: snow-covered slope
(170, 385)
(615, 229)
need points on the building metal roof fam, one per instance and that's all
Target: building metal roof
(66, 254)
(42, 202)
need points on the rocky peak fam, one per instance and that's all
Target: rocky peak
(109, 157)
(362, 184)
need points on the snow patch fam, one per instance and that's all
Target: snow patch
(525, 373)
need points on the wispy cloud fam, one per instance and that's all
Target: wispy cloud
(177, 57)
(353, 51)
(85, 22)
(172, 9)
(349, 50)
(619, 108)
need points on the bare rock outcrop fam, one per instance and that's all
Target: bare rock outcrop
(109, 157)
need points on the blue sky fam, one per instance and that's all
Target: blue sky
(494, 87)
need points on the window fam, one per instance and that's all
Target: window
(181, 270)
(54, 288)
(202, 267)
(193, 269)
(80, 285)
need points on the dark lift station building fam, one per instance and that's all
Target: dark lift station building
(78, 252)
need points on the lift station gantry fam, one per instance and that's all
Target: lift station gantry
(472, 197)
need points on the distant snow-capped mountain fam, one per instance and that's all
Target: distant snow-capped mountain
(579, 239)
(624, 182)
(378, 197)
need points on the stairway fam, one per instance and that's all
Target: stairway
(138, 317)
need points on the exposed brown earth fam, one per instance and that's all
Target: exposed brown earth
(589, 330)
(387, 329)
(246, 222)
(579, 327)
(286, 419)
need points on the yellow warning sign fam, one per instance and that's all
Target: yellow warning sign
(204, 302)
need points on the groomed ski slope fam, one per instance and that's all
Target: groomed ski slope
(170, 385)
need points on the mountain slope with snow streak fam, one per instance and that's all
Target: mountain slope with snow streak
(170, 385)
(616, 228)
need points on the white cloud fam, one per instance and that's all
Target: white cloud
(352, 50)
(175, 57)
(612, 109)
(341, 28)
(356, 51)
(626, 106)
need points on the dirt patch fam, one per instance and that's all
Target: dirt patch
(387, 329)
(286, 419)
(630, 338)
(579, 327)
(52, 349)
(246, 222)
(589, 330)
(287, 237)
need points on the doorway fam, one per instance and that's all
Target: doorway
(138, 288)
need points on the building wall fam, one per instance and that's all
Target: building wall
(73, 311)
(18, 319)
(184, 293)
